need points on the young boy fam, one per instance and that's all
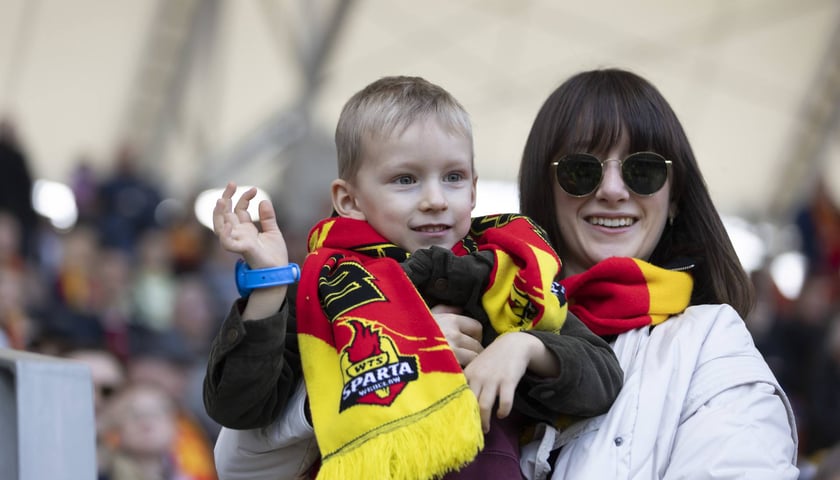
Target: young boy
(385, 388)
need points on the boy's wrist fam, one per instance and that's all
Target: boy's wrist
(247, 279)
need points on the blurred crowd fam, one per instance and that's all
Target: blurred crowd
(800, 337)
(134, 292)
(137, 293)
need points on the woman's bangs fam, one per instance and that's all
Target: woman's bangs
(599, 127)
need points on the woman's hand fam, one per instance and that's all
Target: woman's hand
(496, 372)
(462, 333)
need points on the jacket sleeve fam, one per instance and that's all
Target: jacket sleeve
(589, 380)
(736, 420)
(286, 449)
(743, 432)
(252, 369)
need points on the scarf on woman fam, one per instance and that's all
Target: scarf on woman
(621, 293)
(387, 396)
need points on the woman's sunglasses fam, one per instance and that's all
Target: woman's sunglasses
(580, 174)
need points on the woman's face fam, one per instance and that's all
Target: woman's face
(612, 221)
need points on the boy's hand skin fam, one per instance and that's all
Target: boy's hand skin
(262, 247)
(495, 371)
(462, 333)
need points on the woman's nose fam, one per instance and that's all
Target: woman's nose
(612, 185)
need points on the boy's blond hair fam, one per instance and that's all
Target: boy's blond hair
(389, 105)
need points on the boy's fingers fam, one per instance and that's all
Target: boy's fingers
(470, 327)
(268, 219)
(464, 355)
(485, 407)
(241, 208)
(505, 402)
(443, 308)
(219, 215)
(222, 207)
(230, 188)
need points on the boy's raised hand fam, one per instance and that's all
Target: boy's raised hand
(261, 247)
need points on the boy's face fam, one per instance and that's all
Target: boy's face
(417, 188)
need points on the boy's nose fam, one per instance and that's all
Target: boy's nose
(433, 198)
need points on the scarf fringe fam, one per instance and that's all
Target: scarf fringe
(387, 455)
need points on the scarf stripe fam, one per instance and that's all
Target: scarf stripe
(520, 294)
(621, 293)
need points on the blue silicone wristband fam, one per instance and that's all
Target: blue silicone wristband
(247, 279)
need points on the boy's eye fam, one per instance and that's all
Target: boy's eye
(453, 177)
(404, 180)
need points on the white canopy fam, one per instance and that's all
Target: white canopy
(214, 90)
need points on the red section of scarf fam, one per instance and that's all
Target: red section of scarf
(614, 296)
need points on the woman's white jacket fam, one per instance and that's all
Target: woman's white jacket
(698, 402)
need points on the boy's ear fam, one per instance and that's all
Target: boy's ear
(344, 201)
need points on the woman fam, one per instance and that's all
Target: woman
(608, 171)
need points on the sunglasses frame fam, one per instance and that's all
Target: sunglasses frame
(620, 161)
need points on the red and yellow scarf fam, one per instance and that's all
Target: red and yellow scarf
(387, 396)
(621, 293)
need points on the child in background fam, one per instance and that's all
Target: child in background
(139, 426)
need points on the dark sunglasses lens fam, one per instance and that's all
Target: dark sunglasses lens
(579, 174)
(644, 173)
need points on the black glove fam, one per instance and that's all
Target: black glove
(441, 277)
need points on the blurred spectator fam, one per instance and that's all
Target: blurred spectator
(217, 271)
(797, 333)
(127, 201)
(15, 324)
(16, 285)
(76, 275)
(828, 467)
(823, 392)
(112, 299)
(154, 281)
(818, 222)
(108, 378)
(190, 242)
(791, 344)
(84, 184)
(140, 430)
(196, 317)
(92, 301)
(10, 240)
(162, 359)
(16, 185)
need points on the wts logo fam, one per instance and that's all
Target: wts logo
(374, 372)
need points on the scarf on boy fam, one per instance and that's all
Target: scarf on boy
(387, 396)
(622, 293)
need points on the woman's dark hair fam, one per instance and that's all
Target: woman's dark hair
(590, 112)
